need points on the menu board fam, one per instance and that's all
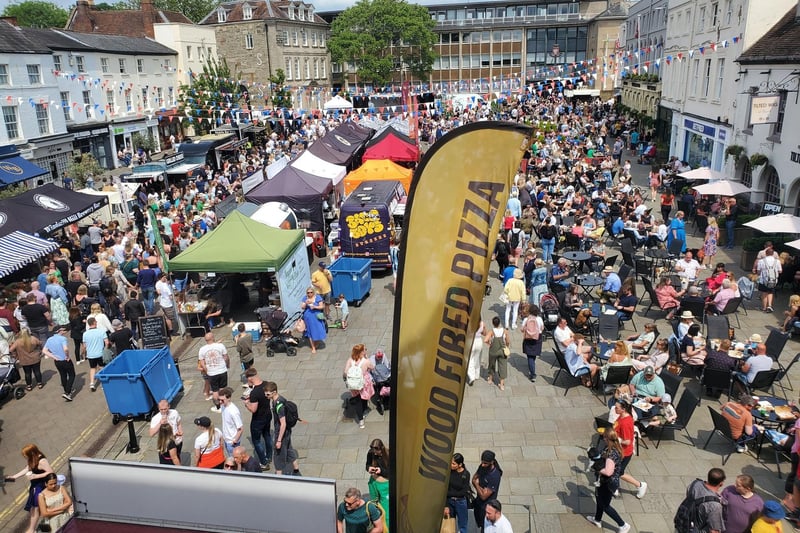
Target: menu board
(153, 330)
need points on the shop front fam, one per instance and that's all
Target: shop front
(703, 143)
(53, 153)
(122, 135)
(94, 141)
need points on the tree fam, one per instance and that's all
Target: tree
(37, 14)
(382, 36)
(281, 97)
(81, 168)
(194, 10)
(212, 97)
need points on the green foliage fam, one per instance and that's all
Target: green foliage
(80, 169)
(758, 159)
(12, 191)
(734, 150)
(212, 95)
(145, 142)
(37, 14)
(379, 37)
(194, 10)
(281, 97)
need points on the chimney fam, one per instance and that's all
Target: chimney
(10, 20)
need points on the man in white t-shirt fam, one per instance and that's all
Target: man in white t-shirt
(165, 299)
(214, 363)
(687, 268)
(232, 426)
(495, 521)
(562, 334)
(169, 416)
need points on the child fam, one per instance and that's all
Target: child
(668, 414)
(341, 303)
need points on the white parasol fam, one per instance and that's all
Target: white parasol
(780, 223)
(722, 188)
(703, 173)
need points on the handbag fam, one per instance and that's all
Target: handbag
(300, 326)
(448, 525)
(108, 355)
(506, 351)
(503, 298)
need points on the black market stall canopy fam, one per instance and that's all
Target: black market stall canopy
(301, 191)
(46, 209)
(18, 249)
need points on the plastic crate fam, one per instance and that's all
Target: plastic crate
(136, 379)
(352, 276)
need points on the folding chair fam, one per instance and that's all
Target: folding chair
(776, 340)
(684, 409)
(616, 375)
(651, 293)
(608, 327)
(772, 438)
(764, 381)
(630, 318)
(717, 380)
(732, 308)
(723, 429)
(562, 365)
(671, 383)
(717, 327)
(784, 373)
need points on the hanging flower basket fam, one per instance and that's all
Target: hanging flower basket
(757, 160)
(734, 150)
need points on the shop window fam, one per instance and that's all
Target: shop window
(747, 172)
(773, 187)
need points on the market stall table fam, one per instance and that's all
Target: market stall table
(193, 315)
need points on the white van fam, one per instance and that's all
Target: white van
(462, 101)
(114, 210)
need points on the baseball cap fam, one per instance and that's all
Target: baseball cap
(649, 371)
(322, 264)
(202, 421)
(116, 323)
(772, 509)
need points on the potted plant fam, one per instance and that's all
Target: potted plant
(734, 150)
(757, 159)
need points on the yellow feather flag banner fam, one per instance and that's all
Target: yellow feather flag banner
(457, 202)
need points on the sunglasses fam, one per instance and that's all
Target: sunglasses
(227, 466)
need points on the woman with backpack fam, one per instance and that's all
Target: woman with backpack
(358, 379)
(532, 328)
(609, 483)
(497, 340)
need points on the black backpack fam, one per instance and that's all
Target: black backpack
(686, 519)
(107, 285)
(290, 412)
(513, 239)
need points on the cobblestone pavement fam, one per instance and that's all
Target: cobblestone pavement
(538, 433)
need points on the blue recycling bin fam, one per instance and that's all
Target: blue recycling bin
(352, 276)
(136, 379)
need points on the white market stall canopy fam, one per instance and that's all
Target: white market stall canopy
(337, 102)
(312, 164)
(18, 249)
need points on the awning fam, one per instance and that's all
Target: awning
(18, 249)
(16, 169)
(184, 168)
(46, 209)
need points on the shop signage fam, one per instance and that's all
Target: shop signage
(175, 158)
(771, 209)
(764, 109)
(699, 127)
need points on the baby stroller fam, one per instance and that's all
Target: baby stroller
(9, 375)
(278, 322)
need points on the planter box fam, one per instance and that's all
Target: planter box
(740, 234)
(746, 260)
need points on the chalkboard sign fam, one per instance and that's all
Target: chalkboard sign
(153, 330)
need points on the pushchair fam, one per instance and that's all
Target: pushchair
(9, 375)
(278, 322)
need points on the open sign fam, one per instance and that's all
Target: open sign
(771, 209)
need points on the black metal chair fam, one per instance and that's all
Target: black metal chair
(671, 383)
(573, 241)
(630, 318)
(698, 310)
(779, 449)
(715, 379)
(610, 261)
(608, 327)
(624, 271)
(776, 340)
(732, 308)
(562, 365)
(764, 381)
(717, 327)
(723, 429)
(784, 373)
(616, 375)
(651, 293)
(674, 248)
(685, 409)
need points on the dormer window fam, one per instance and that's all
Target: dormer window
(247, 12)
(291, 12)
(310, 14)
(302, 13)
(222, 15)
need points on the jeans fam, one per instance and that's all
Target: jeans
(532, 366)
(547, 249)
(458, 509)
(149, 297)
(604, 493)
(729, 229)
(67, 372)
(262, 442)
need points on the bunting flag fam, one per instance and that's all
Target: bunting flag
(461, 186)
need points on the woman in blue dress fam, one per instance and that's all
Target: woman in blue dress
(677, 230)
(312, 306)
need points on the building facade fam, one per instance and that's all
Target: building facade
(257, 38)
(767, 114)
(699, 77)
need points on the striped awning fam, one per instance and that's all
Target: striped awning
(17, 249)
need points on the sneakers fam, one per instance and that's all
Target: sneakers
(265, 467)
(616, 493)
(215, 409)
(624, 528)
(79, 361)
(642, 490)
(67, 397)
(597, 523)
(470, 382)
(361, 424)
(379, 408)
(93, 386)
(741, 449)
(297, 473)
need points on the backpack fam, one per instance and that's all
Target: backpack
(291, 413)
(513, 239)
(531, 328)
(355, 378)
(85, 306)
(771, 278)
(746, 287)
(686, 519)
(107, 285)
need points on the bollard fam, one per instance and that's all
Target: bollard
(133, 445)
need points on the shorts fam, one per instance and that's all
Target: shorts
(763, 288)
(326, 298)
(624, 464)
(94, 362)
(180, 284)
(220, 381)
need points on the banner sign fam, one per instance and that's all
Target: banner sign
(764, 109)
(461, 189)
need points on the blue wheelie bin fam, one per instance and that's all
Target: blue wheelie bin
(352, 276)
(135, 380)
